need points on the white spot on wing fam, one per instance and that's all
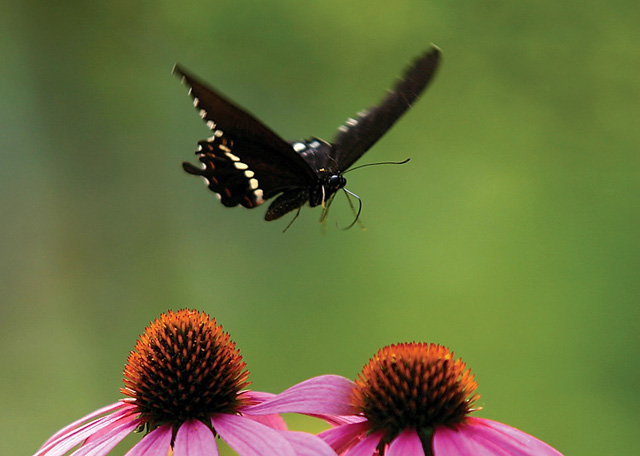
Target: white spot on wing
(314, 144)
(258, 193)
(299, 146)
(226, 149)
(253, 183)
(240, 165)
(218, 133)
(230, 155)
(211, 124)
(249, 174)
(203, 113)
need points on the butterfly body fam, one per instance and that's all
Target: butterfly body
(245, 163)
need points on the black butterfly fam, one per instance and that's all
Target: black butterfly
(246, 163)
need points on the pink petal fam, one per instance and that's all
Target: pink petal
(344, 437)
(307, 444)
(484, 437)
(326, 394)
(109, 408)
(155, 443)
(249, 438)
(256, 396)
(107, 429)
(195, 439)
(72, 437)
(407, 443)
(367, 446)
(339, 420)
(106, 442)
(273, 421)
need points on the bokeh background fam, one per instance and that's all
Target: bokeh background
(512, 236)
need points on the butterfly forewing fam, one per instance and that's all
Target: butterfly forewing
(357, 135)
(221, 114)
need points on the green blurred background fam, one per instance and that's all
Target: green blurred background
(511, 236)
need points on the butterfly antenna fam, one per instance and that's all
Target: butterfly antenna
(292, 220)
(353, 209)
(374, 164)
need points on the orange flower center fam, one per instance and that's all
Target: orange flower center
(414, 386)
(184, 367)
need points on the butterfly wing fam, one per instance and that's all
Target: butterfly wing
(244, 162)
(356, 136)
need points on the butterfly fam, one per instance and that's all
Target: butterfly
(246, 163)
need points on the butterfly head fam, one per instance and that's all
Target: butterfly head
(326, 188)
(335, 183)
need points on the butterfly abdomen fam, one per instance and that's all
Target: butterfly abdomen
(287, 202)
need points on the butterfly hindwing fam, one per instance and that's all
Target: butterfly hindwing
(244, 162)
(236, 168)
(357, 135)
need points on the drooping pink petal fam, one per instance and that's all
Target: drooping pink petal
(74, 436)
(484, 437)
(344, 437)
(256, 396)
(101, 411)
(339, 420)
(155, 443)
(250, 438)
(273, 421)
(326, 394)
(407, 443)
(367, 446)
(307, 444)
(108, 429)
(107, 441)
(195, 439)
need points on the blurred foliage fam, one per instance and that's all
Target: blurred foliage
(511, 236)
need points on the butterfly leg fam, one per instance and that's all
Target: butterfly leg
(292, 220)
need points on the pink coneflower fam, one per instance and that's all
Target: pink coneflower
(186, 385)
(410, 399)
